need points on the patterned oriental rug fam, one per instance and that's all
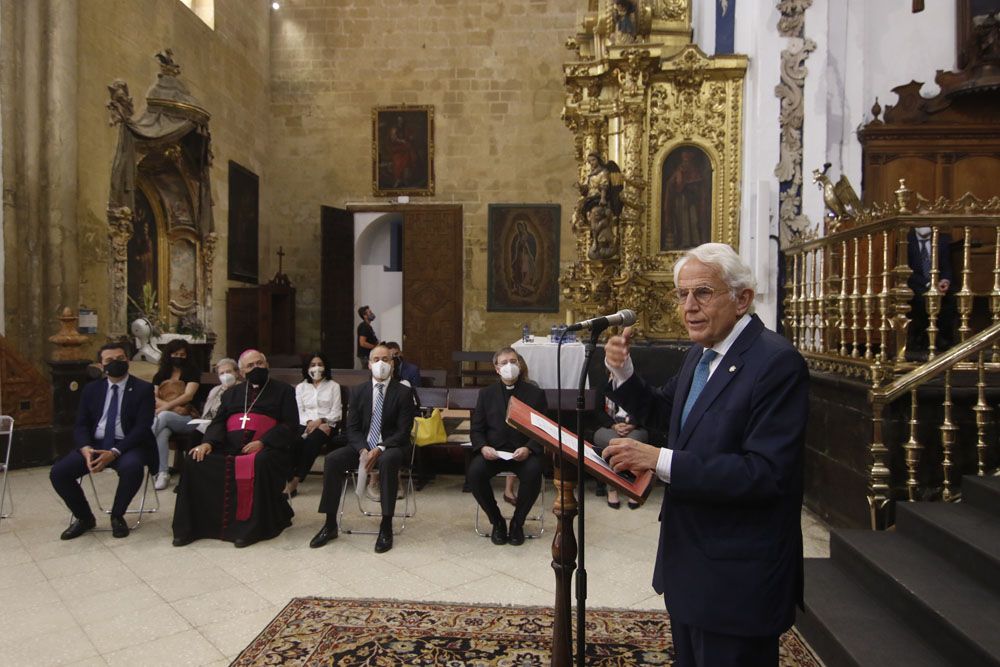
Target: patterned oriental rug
(328, 631)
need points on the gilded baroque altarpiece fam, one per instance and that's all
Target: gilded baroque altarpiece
(638, 96)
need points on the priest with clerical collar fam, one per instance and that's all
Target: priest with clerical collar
(231, 488)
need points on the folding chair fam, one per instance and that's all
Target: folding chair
(540, 517)
(6, 429)
(365, 503)
(147, 484)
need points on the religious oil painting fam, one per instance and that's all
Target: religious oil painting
(143, 253)
(523, 273)
(244, 221)
(686, 199)
(183, 274)
(972, 16)
(403, 150)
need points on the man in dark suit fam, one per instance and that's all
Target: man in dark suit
(499, 448)
(919, 257)
(379, 421)
(113, 430)
(729, 562)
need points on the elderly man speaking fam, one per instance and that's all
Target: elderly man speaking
(729, 562)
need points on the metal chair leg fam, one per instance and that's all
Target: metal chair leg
(409, 505)
(6, 428)
(147, 483)
(540, 517)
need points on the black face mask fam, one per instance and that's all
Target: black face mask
(177, 362)
(116, 368)
(257, 376)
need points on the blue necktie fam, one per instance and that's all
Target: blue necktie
(112, 418)
(698, 383)
(375, 434)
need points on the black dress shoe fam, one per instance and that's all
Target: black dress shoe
(118, 527)
(384, 541)
(243, 543)
(182, 541)
(516, 534)
(632, 505)
(77, 527)
(499, 534)
(325, 534)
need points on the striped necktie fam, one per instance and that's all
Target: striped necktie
(375, 433)
(698, 383)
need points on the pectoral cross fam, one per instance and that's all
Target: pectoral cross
(243, 421)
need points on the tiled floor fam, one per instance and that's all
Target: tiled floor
(98, 600)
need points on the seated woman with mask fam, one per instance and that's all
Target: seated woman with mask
(176, 384)
(229, 374)
(320, 410)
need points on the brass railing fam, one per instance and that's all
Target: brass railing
(847, 309)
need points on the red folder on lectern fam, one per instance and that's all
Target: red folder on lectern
(540, 428)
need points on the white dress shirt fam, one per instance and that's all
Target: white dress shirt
(385, 390)
(322, 402)
(620, 375)
(119, 433)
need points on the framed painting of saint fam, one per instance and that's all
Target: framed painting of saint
(403, 150)
(971, 15)
(523, 265)
(686, 199)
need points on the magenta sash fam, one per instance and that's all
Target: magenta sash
(244, 468)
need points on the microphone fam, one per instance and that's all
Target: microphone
(623, 318)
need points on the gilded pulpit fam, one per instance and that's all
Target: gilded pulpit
(658, 134)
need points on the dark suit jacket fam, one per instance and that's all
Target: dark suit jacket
(730, 551)
(136, 414)
(489, 420)
(919, 280)
(397, 415)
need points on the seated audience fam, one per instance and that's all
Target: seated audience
(113, 430)
(493, 439)
(176, 384)
(232, 484)
(318, 398)
(918, 252)
(379, 421)
(613, 422)
(229, 374)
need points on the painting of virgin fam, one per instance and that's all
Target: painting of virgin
(523, 272)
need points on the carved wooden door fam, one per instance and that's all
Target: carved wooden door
(432, 287)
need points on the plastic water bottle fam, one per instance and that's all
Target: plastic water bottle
(525, 333)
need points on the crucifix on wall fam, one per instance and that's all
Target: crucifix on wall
(280, 278)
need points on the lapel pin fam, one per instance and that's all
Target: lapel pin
(732, 369)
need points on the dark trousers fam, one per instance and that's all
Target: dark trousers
(694, 647)
(341, 461)
(529, 474)
(920, 320)
(71, 467)
(305, 450)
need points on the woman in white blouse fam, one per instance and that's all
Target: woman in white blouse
(320, 411)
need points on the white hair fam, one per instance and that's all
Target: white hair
(227, 360)
(721, 257)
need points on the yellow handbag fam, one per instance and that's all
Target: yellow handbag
(429, 430)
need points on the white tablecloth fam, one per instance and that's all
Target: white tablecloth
(541, 359)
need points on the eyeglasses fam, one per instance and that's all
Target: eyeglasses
(702, 295)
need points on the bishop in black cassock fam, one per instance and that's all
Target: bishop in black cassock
(231, 495)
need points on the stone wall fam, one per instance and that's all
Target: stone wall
(226, 69)
(493, 73)
(58, 142)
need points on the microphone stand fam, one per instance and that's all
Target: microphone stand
(581, 570)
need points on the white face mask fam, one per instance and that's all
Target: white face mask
(381, 370)
(510, 372)
(227, 379)
(316, 372)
